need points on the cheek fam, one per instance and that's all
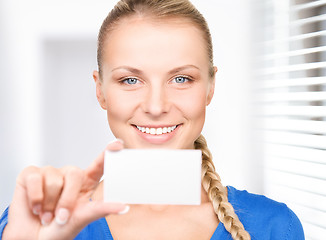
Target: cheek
(193, 104)
(197, 112)
(119, 107)
(193, 108)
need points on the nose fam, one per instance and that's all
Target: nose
(156, 101)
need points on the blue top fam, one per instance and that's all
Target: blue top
(262, 217)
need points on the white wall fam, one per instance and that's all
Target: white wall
(230, 120)
(48, 109)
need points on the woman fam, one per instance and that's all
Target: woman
(155, 78)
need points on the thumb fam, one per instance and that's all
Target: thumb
(95, 170)
(98, 209)
(84, 214)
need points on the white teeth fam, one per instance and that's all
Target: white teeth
(156, 131)
(159, 131)
(152, 131)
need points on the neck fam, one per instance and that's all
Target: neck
(158, 208)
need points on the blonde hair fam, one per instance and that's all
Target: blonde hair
(158, 10)
(180, 9)
(217, 194)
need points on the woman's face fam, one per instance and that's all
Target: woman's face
(155, 83)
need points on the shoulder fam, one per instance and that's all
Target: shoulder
(3, 221)
(265, 218)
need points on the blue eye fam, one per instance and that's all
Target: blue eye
(130, 81)
(181, 79)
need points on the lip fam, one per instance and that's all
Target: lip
(155, 126)
(157, 139)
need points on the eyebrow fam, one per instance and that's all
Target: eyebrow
(130, 69)
(180, 69)
(140, 72)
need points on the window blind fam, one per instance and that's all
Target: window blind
(290, 91)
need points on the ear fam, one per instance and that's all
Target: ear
(211, 88)
(99, 91)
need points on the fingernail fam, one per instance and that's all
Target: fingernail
(46, 218)
(37, 209)
(124, 211)
(62, 216)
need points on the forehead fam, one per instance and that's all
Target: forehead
(147, 42)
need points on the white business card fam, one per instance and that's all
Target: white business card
(153, 176)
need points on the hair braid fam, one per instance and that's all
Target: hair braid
(217, 194)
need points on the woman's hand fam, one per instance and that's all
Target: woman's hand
(52, 203)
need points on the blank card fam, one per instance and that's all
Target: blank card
(153, 176)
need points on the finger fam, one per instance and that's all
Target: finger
(73, 179)
(32, 180)
(89, 212)
(34, 190)
(20, 211)
(116, 145)
(98, 209)
(52, 188)
(95, 170)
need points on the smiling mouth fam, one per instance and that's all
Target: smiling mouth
(156, 131)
